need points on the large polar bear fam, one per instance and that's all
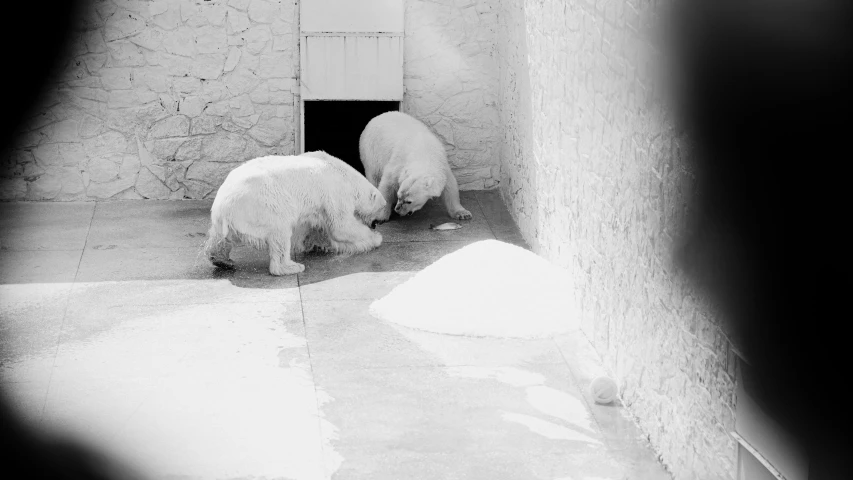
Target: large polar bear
(408, 164)
(291, 204)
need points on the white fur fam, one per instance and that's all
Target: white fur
(408, 164)
(290, 204)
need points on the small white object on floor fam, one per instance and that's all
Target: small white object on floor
(445, 226)
(486, 289)
(603, 390)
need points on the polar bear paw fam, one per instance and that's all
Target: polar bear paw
(223, 263)
(462, 214)
(291, 269)
(376, 239)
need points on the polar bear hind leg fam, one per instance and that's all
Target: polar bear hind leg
(279, 245)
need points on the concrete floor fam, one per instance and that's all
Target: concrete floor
(115, 328)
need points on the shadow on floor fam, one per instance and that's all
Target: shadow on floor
(162, 240)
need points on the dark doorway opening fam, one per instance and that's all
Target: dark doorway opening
(335, 126)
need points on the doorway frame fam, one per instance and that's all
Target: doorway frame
(391, 26)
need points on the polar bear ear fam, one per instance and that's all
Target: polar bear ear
(429, 184)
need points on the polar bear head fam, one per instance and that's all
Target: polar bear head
(370, 205)
(414, 192)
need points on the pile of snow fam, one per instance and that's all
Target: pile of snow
(486, 289)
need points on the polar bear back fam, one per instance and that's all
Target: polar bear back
(353, 178)
(285, 188)
(394, 139)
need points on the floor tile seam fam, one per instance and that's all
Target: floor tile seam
(329, 300)
(322, 465)
(274, 302)
(42, 250)
(173, 247)
(125, 248)
(364, 300)
(65, 313)
(485, 217)
(438, 365)
(43, 202)
(442, 240)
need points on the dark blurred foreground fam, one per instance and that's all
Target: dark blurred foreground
(766, 105)
(34, 39)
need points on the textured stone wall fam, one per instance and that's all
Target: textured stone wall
(451, 81)
(592, 172)
(161, 99)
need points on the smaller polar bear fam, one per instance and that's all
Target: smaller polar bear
(291, 204)
(408, 164)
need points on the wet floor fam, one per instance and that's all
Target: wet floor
(115, 328)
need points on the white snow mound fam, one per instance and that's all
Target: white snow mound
(486, 289)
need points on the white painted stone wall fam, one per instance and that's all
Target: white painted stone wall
(591, 171)
(451, 81)
(161, 99)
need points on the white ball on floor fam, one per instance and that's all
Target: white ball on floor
(603, 390)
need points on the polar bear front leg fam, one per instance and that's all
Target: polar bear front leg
(450, 195)
(352, 236)
(388, 189)
(279, 249)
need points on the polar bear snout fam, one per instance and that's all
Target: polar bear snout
(377, 219)
(405, 209)
(378, 213)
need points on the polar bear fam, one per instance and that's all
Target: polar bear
(408, 164)
(291, 204)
